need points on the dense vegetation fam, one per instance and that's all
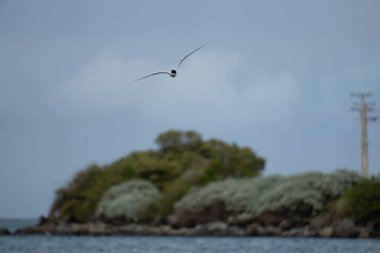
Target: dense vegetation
(189, 181)
(363, 201)
(300, 196)
(183, 160)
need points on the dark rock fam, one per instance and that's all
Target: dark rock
(286, 218)
(326, 232)
(97, 228)
(190, 218)
(4, 231)
(71, 229)
(285, 224)
(214, 228)
(346, 228)
(254, 229)
(272, 231)
(375, 233)
(200, 229)
(268, 218)
(42, 221)
(68, 229)
(235, 231)
(364, 233)
(321, 221)
(217, 228)
(309, 232)
(285, 233)
(242, 220)
(295, 232)
(180, 232)
(45, 229)
(161, 221)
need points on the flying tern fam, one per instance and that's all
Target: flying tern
(173, 72)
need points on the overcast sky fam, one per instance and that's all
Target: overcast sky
(275, 76)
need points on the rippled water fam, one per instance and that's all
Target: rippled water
(147, 244)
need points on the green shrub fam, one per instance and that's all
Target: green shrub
(163, 206)
(182, 156)
(174, 140)
(77, 201)
(230, 161)
(363, 201)
(335, 184)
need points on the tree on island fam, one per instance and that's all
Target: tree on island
(183, 160)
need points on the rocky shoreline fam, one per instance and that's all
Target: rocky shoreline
(344, 229)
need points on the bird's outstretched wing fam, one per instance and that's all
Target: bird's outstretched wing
(156, 73)
(189, 55)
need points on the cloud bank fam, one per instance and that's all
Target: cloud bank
(203, 95)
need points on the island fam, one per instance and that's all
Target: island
(189, 186)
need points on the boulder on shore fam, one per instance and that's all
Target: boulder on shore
(4, 231)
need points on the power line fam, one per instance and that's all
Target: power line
(364, 108)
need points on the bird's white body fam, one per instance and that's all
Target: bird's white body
(173, 72)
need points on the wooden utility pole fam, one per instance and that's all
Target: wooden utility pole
(363, 107)
(363, 117)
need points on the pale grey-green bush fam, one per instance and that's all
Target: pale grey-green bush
(307, 193)
(297, 192)
(126, 200)
(224, 191)
(338, 182)
(237, 194)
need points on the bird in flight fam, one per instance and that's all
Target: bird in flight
(173, 72)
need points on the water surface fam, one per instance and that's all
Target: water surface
(147, 244)
(150, 244)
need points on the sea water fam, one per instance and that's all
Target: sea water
(13, 224)
(150, 244)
